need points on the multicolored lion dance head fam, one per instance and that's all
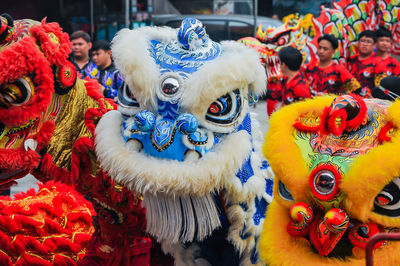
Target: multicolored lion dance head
(187, 141)
(33, 65)
(340, 186)
(39, 92)
(268, 43)
(44, 109)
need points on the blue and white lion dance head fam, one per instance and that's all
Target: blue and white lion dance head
(184, 139)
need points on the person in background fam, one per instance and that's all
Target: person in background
(367, 68)
(80, 57)
(107, 75)
(325, 75)
(275, 16)
(383, 47)
(294, 86)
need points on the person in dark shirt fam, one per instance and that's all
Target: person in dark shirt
(325, 75)
(383, 47)
(80, 57)
(107, 75)
(294, 86)
(367, 68)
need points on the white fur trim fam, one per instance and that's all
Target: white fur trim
(131, 57)
(143, 173)
(238, 67)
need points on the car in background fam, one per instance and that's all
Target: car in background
(220, 27)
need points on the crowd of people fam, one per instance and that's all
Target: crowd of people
(362, 72)
(94, 60)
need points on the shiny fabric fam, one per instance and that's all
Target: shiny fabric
(71, 124)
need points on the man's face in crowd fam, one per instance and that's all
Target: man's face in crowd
(325, 50)
(384, 44)
(81, 48)
(366, 46)
(101, 58)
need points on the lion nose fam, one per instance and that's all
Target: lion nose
(186, 123)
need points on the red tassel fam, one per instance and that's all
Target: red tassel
(63, 261)
(64, 244)
(5, 259)
(31, 243)
(82, 239)
(5, 243)
(27, 259)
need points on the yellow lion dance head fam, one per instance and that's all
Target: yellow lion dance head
(336, 182)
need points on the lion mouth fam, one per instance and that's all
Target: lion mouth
(333, 233)
(136, 170)
(17, 163)
(273, 68)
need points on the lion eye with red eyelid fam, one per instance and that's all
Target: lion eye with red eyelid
(282, 40)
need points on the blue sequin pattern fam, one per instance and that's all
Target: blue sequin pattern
(185, 55)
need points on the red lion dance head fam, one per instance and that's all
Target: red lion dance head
(34, 75)
(47, 118)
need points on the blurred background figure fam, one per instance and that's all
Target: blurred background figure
(81, 45)
(383, 48)
(107, 75)
(365, 66)
(325, 75)
(294, 86)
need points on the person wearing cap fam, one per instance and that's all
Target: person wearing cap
(107, 75)
(383, 47)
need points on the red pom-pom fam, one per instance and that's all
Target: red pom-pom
(334, 126)
(66, 75)
(383, 133)
(359, 234)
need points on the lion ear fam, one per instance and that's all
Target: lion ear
(53, 42)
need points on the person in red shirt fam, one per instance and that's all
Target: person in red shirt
(383, 47)
(325, 75)
(294, 86)
(367, 68)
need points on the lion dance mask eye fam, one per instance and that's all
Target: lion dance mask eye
(17, 93)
